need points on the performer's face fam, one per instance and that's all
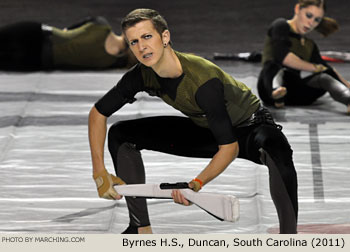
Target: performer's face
(308, 18)
(146, 43)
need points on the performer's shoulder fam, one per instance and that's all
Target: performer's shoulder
(193, 59)
(280, 23)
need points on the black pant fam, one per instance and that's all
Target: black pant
(21, 46)
(298, 90)
(180, 136)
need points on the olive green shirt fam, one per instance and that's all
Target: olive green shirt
(82, 47)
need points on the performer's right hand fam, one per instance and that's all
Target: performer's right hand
(105, 182)
(195, 184)
(319, 68)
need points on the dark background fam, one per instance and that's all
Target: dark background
(198, 26)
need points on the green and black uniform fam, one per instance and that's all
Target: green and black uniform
(281, 40)
(217, 110)
(35, 46)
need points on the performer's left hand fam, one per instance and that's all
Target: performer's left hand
(179, 198)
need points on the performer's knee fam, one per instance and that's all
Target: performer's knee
(279, 159)
(277, 145)
(115, 137)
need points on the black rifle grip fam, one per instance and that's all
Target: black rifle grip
(178, 185)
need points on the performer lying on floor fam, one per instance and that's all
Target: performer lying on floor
(223, 120)
(89, 44)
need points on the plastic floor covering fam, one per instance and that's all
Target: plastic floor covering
(45, 167)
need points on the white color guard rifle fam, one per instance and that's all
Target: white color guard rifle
(222, 207)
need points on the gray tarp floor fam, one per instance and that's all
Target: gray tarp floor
(46, 184)
(45, 171)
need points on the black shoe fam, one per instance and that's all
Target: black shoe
(131, 230)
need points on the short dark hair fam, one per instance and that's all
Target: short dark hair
(139, 15)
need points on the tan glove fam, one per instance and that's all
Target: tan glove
(195, 185)
(105, 182)
(319, 68)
